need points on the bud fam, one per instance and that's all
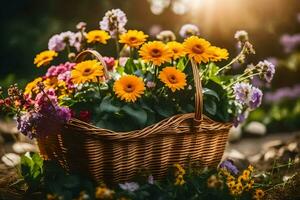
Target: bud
(241, 36)
(71, 56)
(81, 26)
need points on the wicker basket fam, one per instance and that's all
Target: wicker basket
(117, 156)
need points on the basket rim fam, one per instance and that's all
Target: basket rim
(173, 121)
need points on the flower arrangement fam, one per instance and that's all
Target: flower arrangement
(146, 82)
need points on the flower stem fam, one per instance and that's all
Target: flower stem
(232, 61)
(240, 79)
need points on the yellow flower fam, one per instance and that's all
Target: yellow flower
(197, 49)
(155, 52)
(87, 71)
(259, 194)
(173, 78)
(97, 36)
(129, 88)
(51, 83)
(104, 193)
(230, 184)
(177, 49)
(32, 87)
(133, 38)
(179, 169)
(44, 58)
(217, 54)
(179, 180)
(239, 188)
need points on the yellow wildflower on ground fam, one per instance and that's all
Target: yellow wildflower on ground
(44, 58)
(259, 194)
(104, 193)
(197, 49)
(87, 71)
(155, 52)
(177, 49)
(97, 36)
(173, 78)
(133, 38)
(129, 88)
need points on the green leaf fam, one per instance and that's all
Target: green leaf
(130, 67)
(106, 106)
(71, 181)
(210, 92)
(181, 65)
(210, 106)
(138, 114)
(163, 109)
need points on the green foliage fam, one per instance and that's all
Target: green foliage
(32, 170)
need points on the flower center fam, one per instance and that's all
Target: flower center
(87, 71)
(97, 37)
(129, 88)
(172, 78)
(156, 53)
(198, 49)
(132, 39)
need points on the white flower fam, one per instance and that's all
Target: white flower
(241, 36)
(188, 30)
(129, 186)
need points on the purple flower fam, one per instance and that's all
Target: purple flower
(114, 22)
(247, 95)
(76, 41)
(63, 114)
(27, 122)
(255, 98)
(150, 84)
(283, 94)
(268, 70)
(290, 42)
(228, 165)
(188, 30)
(56, 43)
(242, 91)
(240, 118)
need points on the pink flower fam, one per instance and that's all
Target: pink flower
(110, 62)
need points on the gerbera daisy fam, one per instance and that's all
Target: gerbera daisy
(129, 88)
(197, 49)
(32, 86)
(97, 36)
(173, 78)
(133, 38)
(51, 83)
(44, 58)
(217, 54)
(177, 48)
(87, 71)
(155, 52)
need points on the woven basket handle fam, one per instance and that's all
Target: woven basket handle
(198, 95)
(81, 56)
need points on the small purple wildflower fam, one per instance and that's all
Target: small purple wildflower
(56, 43)
(242, 91)
(255, 98)
(290, 42)
(228, 165)
(268, 70)
(240, 118)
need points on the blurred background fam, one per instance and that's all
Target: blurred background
(273, 27)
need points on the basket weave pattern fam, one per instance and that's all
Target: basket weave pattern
(116, 157)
